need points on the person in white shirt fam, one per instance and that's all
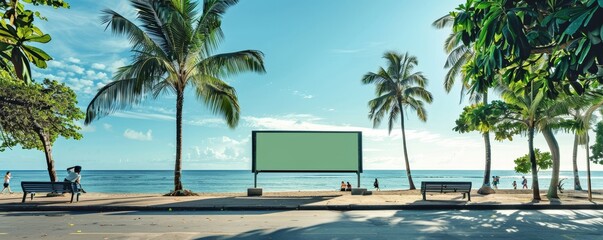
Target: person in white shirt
(7, 183)
(74, 176)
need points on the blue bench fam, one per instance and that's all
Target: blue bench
(50, 187)
(446, 187)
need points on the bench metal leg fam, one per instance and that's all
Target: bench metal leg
(424, 199)
(469, 196)
(72, 197)
(32, 195)
(78, 197)
(24, 196)
(463, 195)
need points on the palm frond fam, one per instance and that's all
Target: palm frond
(137, 37)
(116, 95)
(227, 64)
(418, 92)
(219, 97)
(443, 22)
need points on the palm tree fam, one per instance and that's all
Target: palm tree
(531, 108)
(458, 56)
(398, 88)
(172, 49)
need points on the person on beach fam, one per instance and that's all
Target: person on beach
(74, 176)
(343, 186)
(524, 183)
(497, 181)
(349, 187)
(376, 185)
(514, 184)
(494, 182)
(7, 177)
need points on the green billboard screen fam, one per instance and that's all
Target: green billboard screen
(306, 151)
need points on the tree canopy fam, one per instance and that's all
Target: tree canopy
(509, 35)
(543, 159)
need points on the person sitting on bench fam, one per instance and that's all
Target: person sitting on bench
(74, 176)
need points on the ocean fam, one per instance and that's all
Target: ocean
(162, 181)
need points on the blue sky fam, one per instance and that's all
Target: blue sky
(315, 55)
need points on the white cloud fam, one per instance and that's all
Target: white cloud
(73, 60)
(138, 115)
(303, 95)
(99, 66)
(55, 63)
(309, 122)
(117, 64)
(75, 68)
(225, 149)
(206, 122)
(96, 75)
(140, 136)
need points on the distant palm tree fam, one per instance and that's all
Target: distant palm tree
(398, 88)
(458, 56)
(172, 49)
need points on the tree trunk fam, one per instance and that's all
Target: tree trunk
(575, 164)
(486, 188)
(535, 188)
(178, 166)
(410, 183)
(47, 148)
(590, 193)
(554, 148)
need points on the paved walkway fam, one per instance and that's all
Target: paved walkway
(412, 199)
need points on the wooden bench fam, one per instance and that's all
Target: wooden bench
(50, 187)
(446, 187)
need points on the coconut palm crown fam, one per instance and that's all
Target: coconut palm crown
(398, 88)
(172, 48)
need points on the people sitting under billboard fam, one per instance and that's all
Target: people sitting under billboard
(349, 187)
(343, 186)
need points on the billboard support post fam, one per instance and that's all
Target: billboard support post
(255, 179)
(358, 174)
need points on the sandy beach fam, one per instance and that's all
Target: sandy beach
(295, 200)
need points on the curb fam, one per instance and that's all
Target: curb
(17, 208)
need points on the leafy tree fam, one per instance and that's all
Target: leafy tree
(17, 31)
(398, 88)
(543, 160)
(506, 35)
(172, 49)
(597, 148)
(35, 115)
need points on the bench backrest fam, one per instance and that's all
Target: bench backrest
(445, 186)
(48, 186)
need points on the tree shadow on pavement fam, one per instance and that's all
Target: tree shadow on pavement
(410, 224)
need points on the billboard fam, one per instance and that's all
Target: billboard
(306, 151)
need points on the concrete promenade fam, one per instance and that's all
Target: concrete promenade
(311, 200)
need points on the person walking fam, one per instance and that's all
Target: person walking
(494, 182)
(524, 182)
(514, 184)
(7, 177)
(376, 185)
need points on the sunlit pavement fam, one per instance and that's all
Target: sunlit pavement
(388, 224)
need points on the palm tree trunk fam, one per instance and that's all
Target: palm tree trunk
(554, 148)
(535, 188)
(410, 183)
(575, 164)
(178, 167)
(486, 188)
(52, 174)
